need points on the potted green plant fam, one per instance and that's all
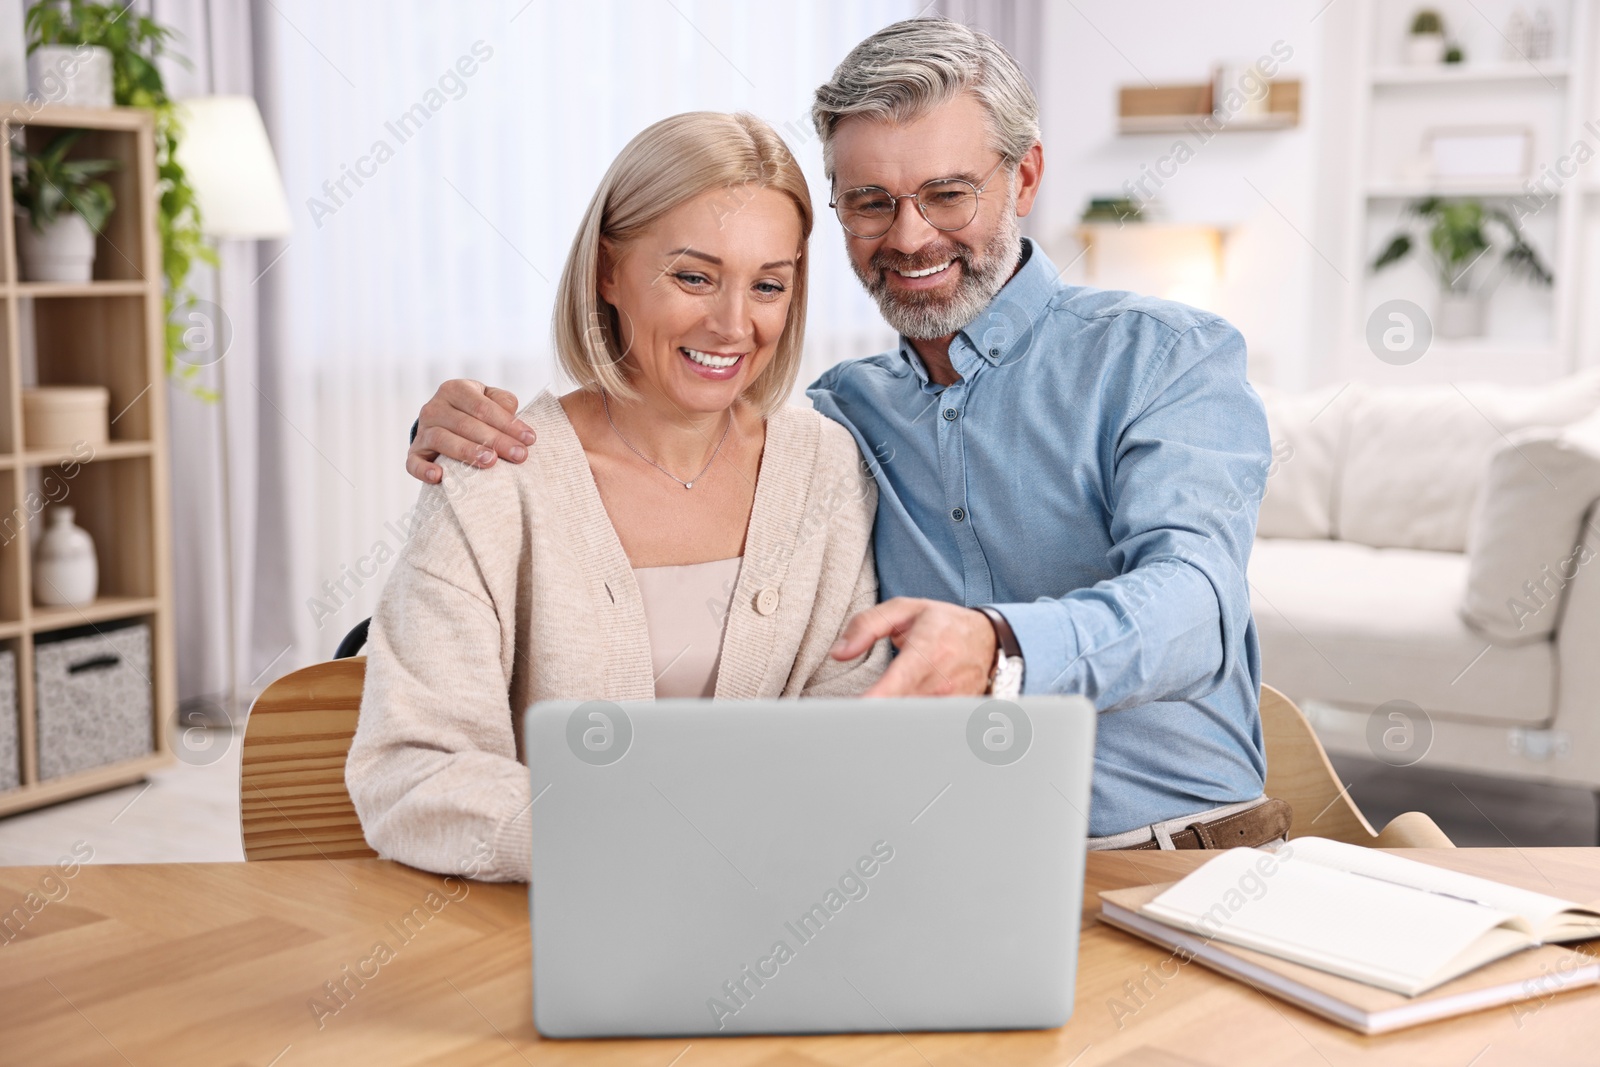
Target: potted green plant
(136, 43)
(1426, 46)
(70, 76)
(62, 204)
(1473, 247)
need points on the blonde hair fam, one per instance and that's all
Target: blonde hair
(668, 164)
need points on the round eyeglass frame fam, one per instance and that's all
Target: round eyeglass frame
(916, 198)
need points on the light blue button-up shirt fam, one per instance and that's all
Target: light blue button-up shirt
(1095, 475)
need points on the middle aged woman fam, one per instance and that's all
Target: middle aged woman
(677, 530)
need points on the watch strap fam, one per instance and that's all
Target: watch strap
(1004, 637)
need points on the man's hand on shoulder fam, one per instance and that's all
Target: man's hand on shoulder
(945, 649)
(470, 422)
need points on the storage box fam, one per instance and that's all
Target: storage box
(60, 416)
(10, 764)
(93, 696)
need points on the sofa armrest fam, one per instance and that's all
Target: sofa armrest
(1577, 641)
(1526, 542)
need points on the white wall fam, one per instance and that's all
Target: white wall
(13, 65)
(1260, 185)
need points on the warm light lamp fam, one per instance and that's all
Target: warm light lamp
(225, 153)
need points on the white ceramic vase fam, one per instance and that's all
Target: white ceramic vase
(64, 252)
(1459, 316)
(70, 75)
(65, 572)
(1425, 49)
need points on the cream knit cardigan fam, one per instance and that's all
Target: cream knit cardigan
(513, 588)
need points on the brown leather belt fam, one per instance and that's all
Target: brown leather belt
(1245, 829)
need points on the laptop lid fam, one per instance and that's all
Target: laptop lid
(733, 867)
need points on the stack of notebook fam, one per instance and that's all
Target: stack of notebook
(1362, 937)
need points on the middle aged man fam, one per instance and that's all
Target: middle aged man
(1068, 477)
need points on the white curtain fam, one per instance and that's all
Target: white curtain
(437, 157)
(214, 41)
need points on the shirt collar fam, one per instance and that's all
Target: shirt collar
(1006, 325)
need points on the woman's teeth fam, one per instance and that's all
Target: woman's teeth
(706, 359)
(924, 273)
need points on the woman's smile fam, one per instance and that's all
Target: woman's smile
(716, 366)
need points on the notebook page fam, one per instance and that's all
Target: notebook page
(1537, 908)
(1371, 931)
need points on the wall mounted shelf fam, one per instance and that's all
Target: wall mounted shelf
(1189, 108)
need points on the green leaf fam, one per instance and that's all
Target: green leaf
(1399, 247)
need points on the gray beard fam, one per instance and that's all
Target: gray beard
(922, 317)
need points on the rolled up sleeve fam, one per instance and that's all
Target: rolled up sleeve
(1186, 474)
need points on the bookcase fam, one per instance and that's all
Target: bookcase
(109, 332)
(1533, 334)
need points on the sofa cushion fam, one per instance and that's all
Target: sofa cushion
(1531, 531)
(1414, 458)
(1307, 438)
(1360, 626)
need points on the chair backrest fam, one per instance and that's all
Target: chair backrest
(293, 803)
(1299, 773)
(292, 798)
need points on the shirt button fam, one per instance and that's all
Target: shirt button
(994, 353)
(767, 601)
(958, 514)
(949, 414)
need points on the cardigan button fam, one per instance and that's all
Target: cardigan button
(767, 601)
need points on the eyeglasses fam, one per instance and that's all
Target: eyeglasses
(946, 204)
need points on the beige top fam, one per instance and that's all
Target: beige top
(684, 610)
(513, 588)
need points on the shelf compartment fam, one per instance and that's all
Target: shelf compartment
(119, 249)
(85, 341)
(113, 500)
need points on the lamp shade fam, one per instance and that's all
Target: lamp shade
(225, 153)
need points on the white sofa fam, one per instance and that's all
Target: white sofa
(1438, 546)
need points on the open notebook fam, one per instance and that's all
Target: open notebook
(1358, 935)
(1531, 976)
(1365, 914)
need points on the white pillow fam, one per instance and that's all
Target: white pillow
(1415, 457)
(1532, 530)
(1307, 431)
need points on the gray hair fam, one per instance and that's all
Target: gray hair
(906, 69)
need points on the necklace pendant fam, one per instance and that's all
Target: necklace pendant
(688, 485)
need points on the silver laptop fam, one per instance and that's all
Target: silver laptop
(807, 866)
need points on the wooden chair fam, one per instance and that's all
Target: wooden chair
(293, 803)
(1298, 772)
(292, 799)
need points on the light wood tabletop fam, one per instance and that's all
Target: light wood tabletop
(176, 964)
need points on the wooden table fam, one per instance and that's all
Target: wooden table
(175, 964)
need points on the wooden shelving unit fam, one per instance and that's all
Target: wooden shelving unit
(1392, 108)
(109, 332)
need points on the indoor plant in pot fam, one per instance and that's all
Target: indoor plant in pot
(1426, 45)
(63, 205)
(1468, 261)
(137, 43)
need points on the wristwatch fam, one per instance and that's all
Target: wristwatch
(1005, 681)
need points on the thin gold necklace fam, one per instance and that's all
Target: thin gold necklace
(686, 484)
